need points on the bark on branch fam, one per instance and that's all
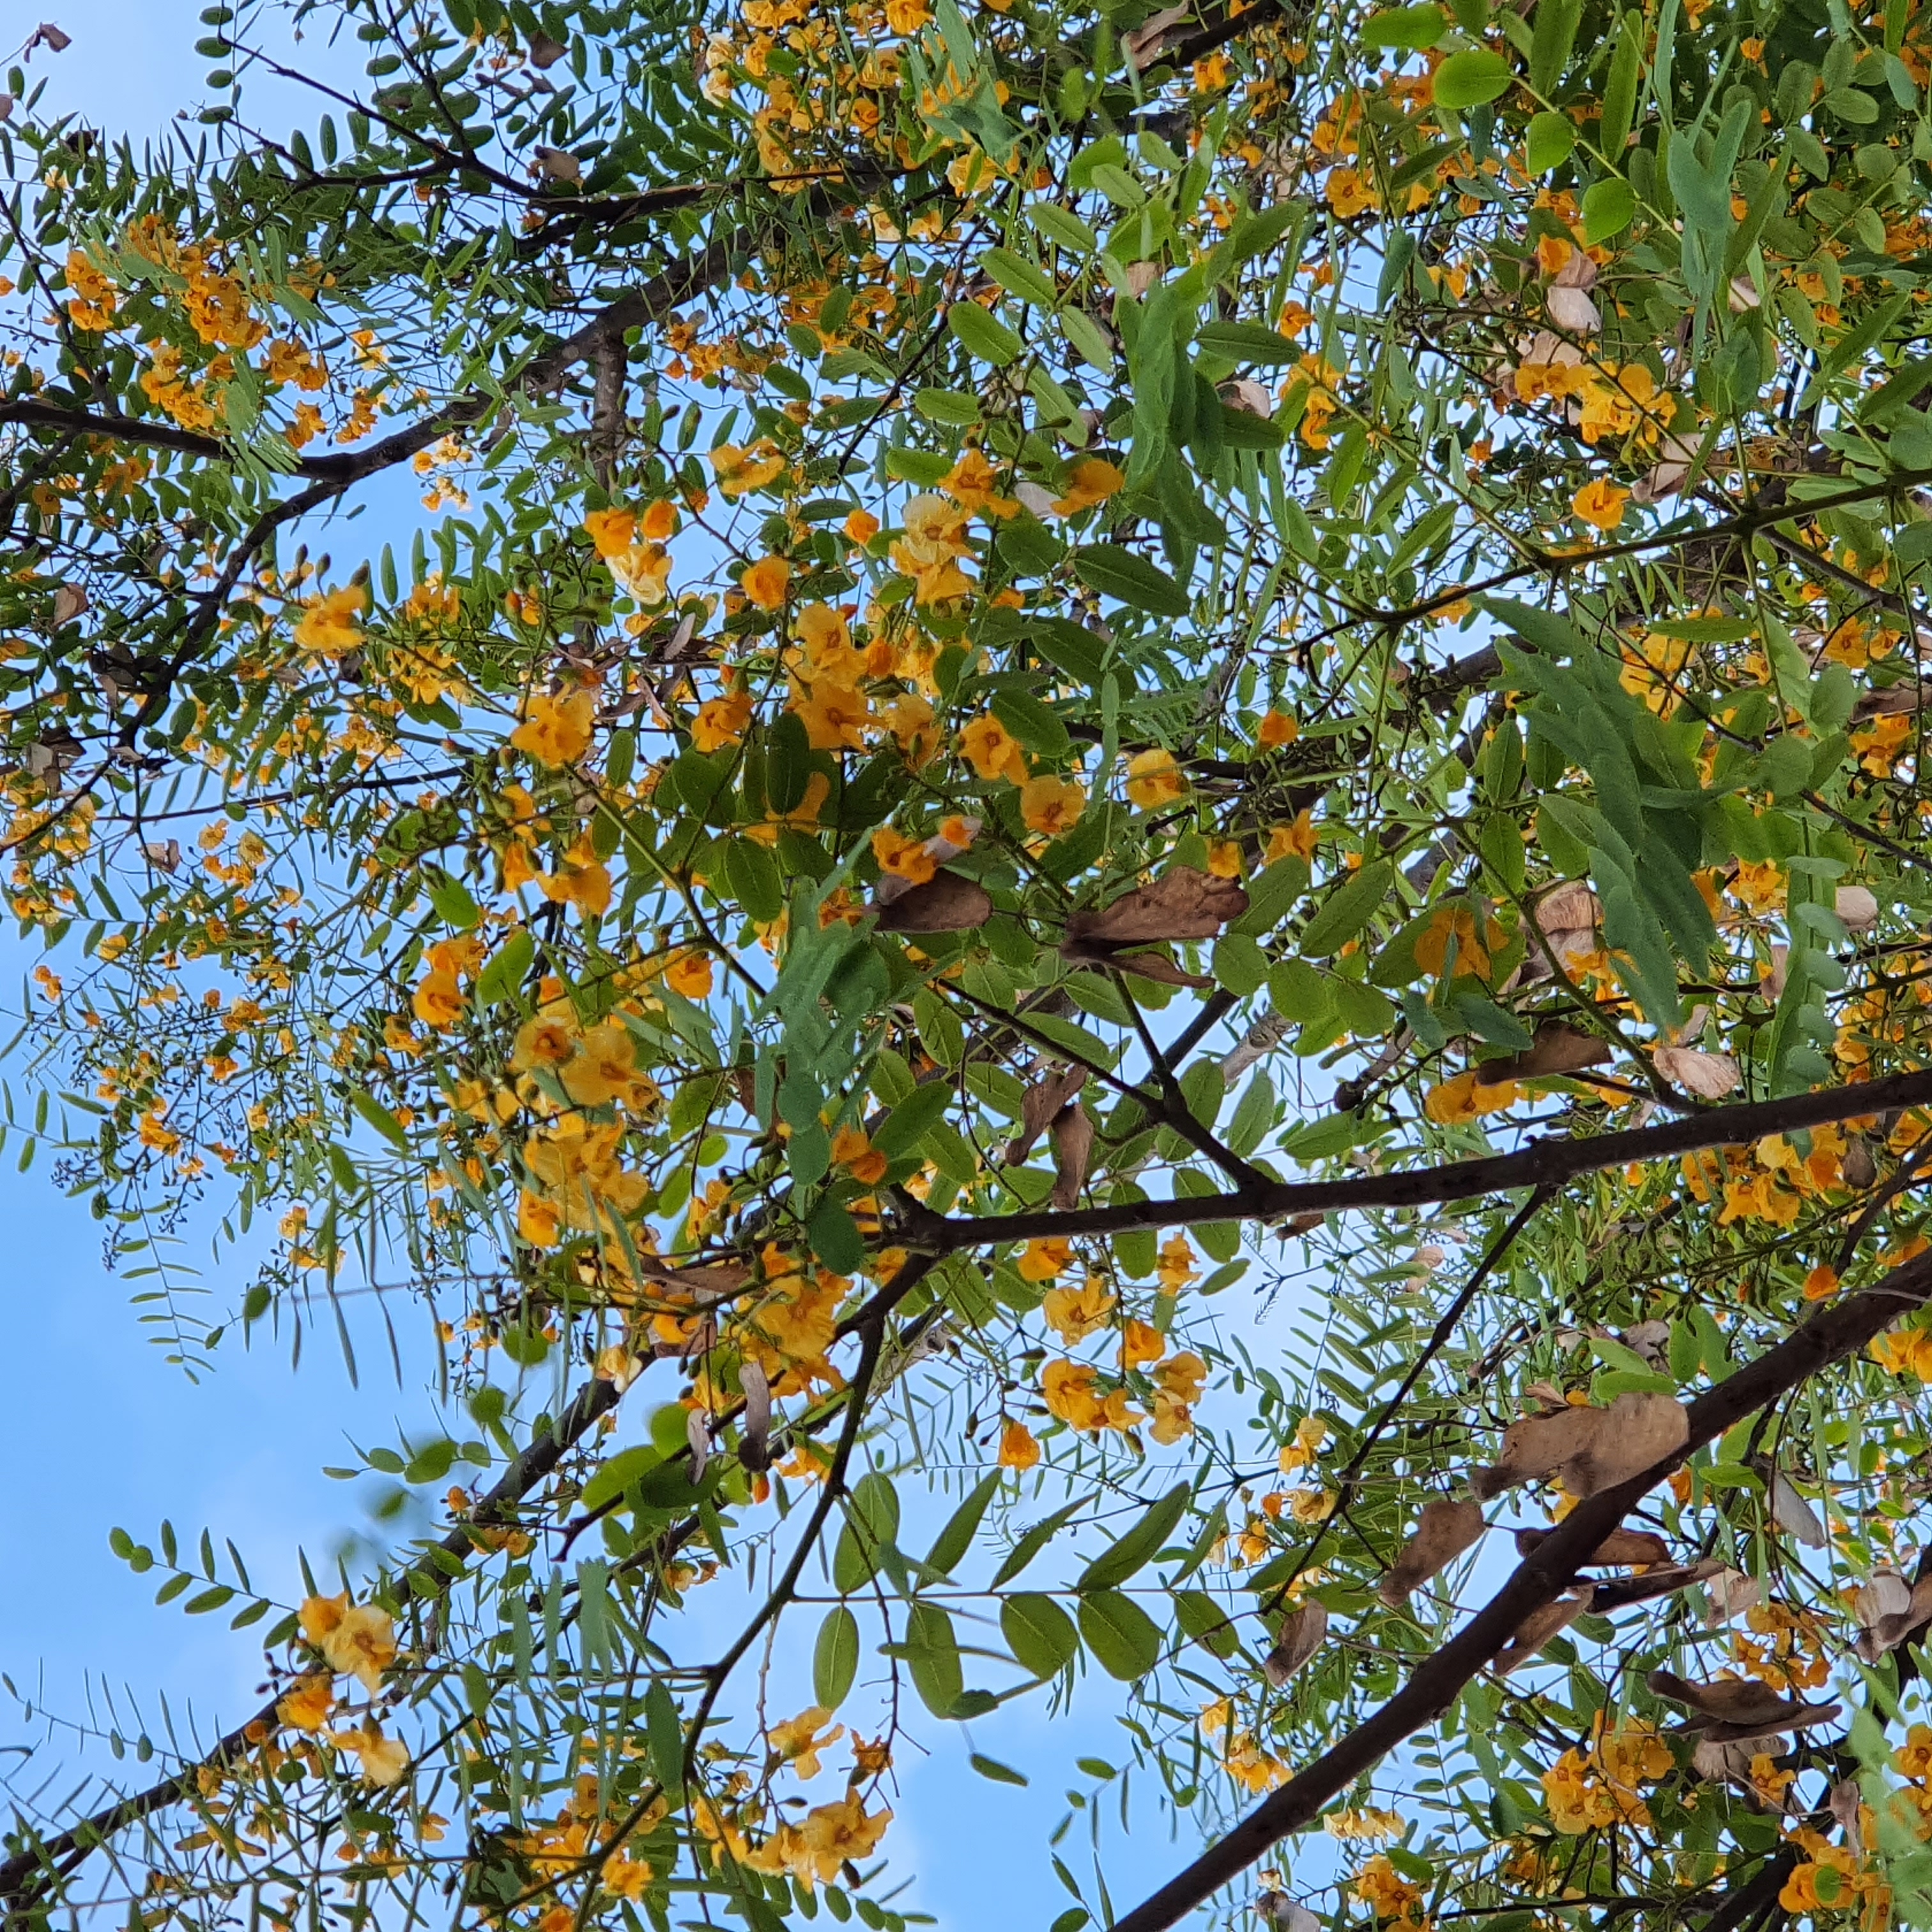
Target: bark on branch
(1828, 1336)
(1545, 1163)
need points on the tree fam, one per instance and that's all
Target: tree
(1141, 807)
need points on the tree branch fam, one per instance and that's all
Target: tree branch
(1828, 1336)
(1547, 1163)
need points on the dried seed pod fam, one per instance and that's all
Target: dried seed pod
(755, 1447)
(1539, 1627)
(1589, 1448)
(1621, 1547)
(1072, 1133)
(697, 1434)
(946, 903)
(1301, 1637)
(1444, 1530)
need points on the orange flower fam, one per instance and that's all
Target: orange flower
(1277, 729)
(1043, 1259)
(852, 1149)
(993, 752)
(721, 721)
(690, 974)
(329, 626)
(1601, 503)
(1018, 1449)
(907, 858)
(556, 727)
(738, 470)
(766, 582)
(1052, 805)
(1291, 841)
(861, 526)
(1092, 480)
(1153, 779)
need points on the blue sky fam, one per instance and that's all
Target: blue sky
(133, 1440)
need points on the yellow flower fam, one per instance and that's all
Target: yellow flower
(992, 750)
(1601, 503)
(539, 1222)
(1141, 1342)
(556, 727)
(690, 975)
(1154, 780)
(1177, 1265)
(383, 1760)
(1466, 1098)
(359, 1639)
(841, 1834)
(738, 470)
(328, 626)
(611, 531)
(721, 721)
(1091, 480)
(852, 1149)
(1018, 1449)
(766, 582)
(1043, 1259)
(1074, 1313)
(305, 1706)
(624, 1876)
(438, 1001)
(1310, 1432)
(797, 1740)
(861, 526)
(1051, 806)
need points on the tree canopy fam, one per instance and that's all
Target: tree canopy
(1081, 849)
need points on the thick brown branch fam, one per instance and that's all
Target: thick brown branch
(1548, 1163)
(1828, 1336)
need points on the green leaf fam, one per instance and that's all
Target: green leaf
(1411, 29)
(834, 1658)
(871, 1523)
(663, 1735)
(1555, 33)
(1038, 1632)
(1062, 226)
(753, 875)
(1133, 1552)
(1019, 276)
(1549, 139)
(1471, 78)
(932, 1657)
(1130, 579)
(1609, 209)
(379, 1118)
(1121, 1635)
(954, 1540)
(901, 1131)
(981, 335)
(1348, 910)
(1035, 1540)
(1250, 341)
(1000, 1774)
(502, 978)
(1035, 725)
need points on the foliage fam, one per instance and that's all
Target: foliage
(1140, 806)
